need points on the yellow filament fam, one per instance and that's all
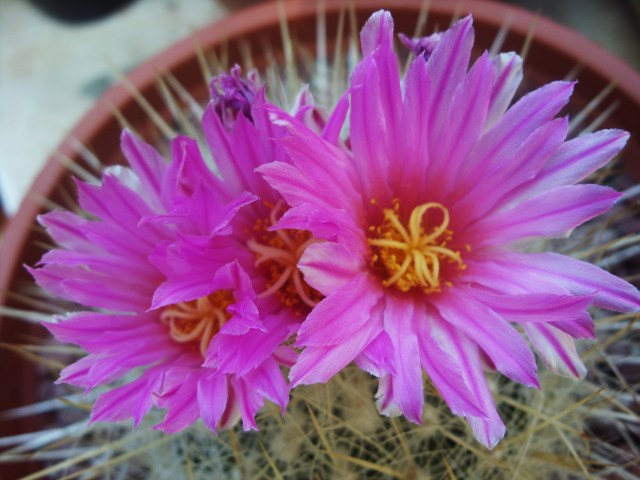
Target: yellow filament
(198, 320)
(411, 256)
(278, 253)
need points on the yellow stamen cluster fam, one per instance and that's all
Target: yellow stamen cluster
(277, 254)
(411, 257)
(199, 320)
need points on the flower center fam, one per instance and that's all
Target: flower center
(197, 321)
(412, 255)
(277, 255)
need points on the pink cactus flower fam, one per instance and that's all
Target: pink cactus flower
(184, 280)
(425, 222)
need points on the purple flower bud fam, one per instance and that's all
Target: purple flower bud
(421, 46)
(232, 94)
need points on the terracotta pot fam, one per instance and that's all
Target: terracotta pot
(554, 51)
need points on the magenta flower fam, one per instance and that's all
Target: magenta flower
(182, 275)
(424, 222)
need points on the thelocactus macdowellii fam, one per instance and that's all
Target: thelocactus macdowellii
(394, 232)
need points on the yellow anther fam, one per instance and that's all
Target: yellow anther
(411, 256)
(277, 254)
(198, 321)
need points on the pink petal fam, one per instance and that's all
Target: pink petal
(417, 99)
(557, 350)
(303, 101)
(370, 132)
(377, 41)
(524, 164)
(71, 328)
(116, 240)
(188, 169)
(384, 398)
(181, 289)
(117, 204)
(91, 288)
(228, 277)
(378, 357)
(335, 122)
(377, 32)
(180, 403)
(319, 364)
(268, 382)
(305, 110)
(239, 152)
(249, 403)
(447, 67)
(289, 181)
(67, 229)
(566, 274)
(210, 215)
(406, 392)
(148, 165)
(499, 340)
(508, 75)
(126, 177)
(77, 372)
(94, 370)
(490, 429)
(270, 132)
(375, 87)
(341, 315)
(138, 273)
(285, 356)
(332, 224)
(499, 143)
(244, 313)
(212, 399)
(190, 265)
(150, 341)
(465, 120)
(113, 334)
(534, 307)
(444, 372)
(316, 161)
(132, 400)
(576, 159)
(239, 354)
(232, 414)
(328, 266)
(581, 327)
(554, 213)
(489, 272)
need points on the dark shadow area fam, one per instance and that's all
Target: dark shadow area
(79, 11)
(614, 24)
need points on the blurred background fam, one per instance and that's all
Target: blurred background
(58, 56)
